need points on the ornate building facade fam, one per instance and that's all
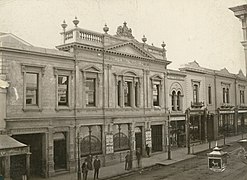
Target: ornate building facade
(104, 95)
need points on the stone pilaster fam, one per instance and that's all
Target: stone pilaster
(50, 152)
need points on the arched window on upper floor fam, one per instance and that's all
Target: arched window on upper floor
(178, 101)
(173, 100)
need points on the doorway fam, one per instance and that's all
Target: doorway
(156, 138)
(138, 138)
(35, 143)
(60, 154)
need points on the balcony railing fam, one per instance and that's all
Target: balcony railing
(226, 105)
(197, 104)
(81, 35)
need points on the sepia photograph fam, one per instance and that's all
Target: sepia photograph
(123, 89)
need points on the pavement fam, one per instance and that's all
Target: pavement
(117, 170)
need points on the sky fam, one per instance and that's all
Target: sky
(205, 31)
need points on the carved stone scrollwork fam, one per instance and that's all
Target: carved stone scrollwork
(109, 66)
(23, 69)
(55, 71)
(124, 31)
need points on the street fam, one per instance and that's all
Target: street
(196, 168)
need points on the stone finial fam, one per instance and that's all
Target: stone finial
(144, 39)
(106, 29)
(163, 45)
(76, 21)
(64, 25)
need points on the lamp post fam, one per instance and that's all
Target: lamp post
(79, 162)
(169, 143)
(188, 129)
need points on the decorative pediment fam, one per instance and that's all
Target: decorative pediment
(193, 64)
(92, 69)
(129, 73)
(240, 74)
(224, 71)
(11, 38)
(156, 77)
(129, 49)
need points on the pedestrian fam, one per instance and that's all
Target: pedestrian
(84, 169)
(138, 157)
(96, 165)
(127, 160)
(148, 150)
(90, 163)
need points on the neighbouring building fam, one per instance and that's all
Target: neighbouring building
(216, 102)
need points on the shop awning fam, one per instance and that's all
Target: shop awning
(10, 147)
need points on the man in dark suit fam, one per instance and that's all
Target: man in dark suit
(96, 165)
(84, 169)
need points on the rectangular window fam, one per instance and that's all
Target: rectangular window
(119, 93)
(136, 94)
(127, 93)
(242, 96)
(90, 92)
(227, 96)
(224, 95)
(32, 88)
(195, 93)
(156, 94)
(63, 90)
(209, 95)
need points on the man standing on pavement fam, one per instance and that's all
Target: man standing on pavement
(148, 150)
(96, 165)
(84, 169)
(127, 161)
(138, 157)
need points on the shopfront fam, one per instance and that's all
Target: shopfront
(177, 133)
(14, 158)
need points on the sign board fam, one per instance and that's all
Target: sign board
(215, 164)
(148, 138)
(109, 144)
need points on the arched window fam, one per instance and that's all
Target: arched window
(178, 101)
(173, 100)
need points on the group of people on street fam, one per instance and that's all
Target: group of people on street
(88, 165)
(128, 158)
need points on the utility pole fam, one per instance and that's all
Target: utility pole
(169, 143)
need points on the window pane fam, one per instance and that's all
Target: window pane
(195, 93)
(156, 95)
(63, 90)
(31, 89)
(209, 95)
(90, 92)
(119, 93)
(127, 93)
(120, 137)
(178, 100)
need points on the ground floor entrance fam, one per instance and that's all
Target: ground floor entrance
(34, 141)
(177, 133)
(138, 138)
(156, 131)
(197, 128)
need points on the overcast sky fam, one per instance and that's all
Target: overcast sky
(201, 30)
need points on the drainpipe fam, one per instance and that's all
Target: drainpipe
(103, 105)
(217, 113)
